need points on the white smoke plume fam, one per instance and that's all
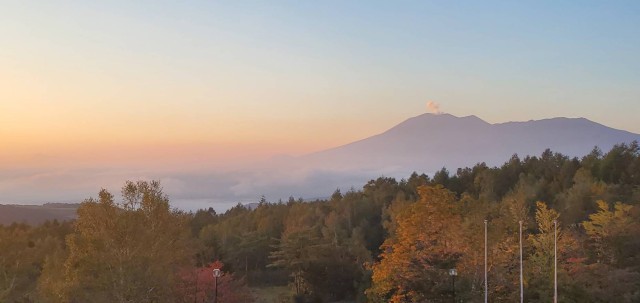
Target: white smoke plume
(433, 107)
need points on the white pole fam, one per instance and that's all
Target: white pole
(486, 287)
(555, 261)
(521, 279)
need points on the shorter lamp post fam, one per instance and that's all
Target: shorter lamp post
(453, 273)
(216, 274)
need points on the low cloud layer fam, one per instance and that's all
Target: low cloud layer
(188, 190)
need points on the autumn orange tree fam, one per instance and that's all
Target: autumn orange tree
(415, 261)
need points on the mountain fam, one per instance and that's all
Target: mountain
(423, 144)
(429, 142)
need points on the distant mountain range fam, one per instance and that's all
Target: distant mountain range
(428, 142)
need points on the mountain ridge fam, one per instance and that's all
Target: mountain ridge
(428, 142)
(473, 119)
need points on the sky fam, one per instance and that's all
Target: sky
(183, 85)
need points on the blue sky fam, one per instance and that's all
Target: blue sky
(294, 77)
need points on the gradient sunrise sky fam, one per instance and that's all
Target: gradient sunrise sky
(125, 83)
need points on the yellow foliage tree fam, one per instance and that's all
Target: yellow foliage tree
(127, 252)
(605, 226)
(539, 267)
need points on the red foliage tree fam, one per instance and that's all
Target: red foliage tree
(199, 286)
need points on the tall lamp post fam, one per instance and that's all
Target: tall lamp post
(453, 273)
(486, 285)
(216, 274)
(555, 261)
(521, 278)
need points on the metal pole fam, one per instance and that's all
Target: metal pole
(195, 294)
(215, 297)
(454, 288)
(486, 287)
(521, 276)
(555, 261)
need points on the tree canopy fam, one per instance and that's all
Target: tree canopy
(390, 241)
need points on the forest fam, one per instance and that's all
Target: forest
(389, 241)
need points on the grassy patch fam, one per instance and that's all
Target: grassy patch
(273, 294)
